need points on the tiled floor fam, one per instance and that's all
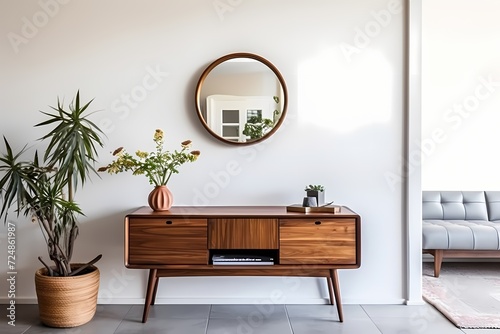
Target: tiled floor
(249, 319)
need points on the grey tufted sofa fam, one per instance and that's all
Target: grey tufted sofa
(460, 224)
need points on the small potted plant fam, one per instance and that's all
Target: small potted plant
(157, 166)
(317, 191)
(43, 189)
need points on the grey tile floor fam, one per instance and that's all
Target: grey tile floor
(249, 319)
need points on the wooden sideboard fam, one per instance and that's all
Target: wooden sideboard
(181, 242)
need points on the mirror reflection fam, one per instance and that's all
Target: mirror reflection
(241, 98)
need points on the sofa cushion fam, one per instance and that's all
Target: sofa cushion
(460, 234)
(493, 203)
(455, 205)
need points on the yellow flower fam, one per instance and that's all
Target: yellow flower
(158, 166)
(141, 154)
(195, 155)
(118, 150)
(158, 135)
(113, 169)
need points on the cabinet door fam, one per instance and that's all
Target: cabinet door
(243, 233)
(318, 241)
(167, 241)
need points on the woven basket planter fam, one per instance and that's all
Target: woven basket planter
(67, 301)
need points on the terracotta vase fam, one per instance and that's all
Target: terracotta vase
(160, 199)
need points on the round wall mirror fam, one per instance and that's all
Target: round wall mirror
(241, 98)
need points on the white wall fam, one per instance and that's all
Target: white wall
(343, 64)
(460, 95)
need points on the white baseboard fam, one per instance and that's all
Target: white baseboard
(224, 301)
(251, 301)
(414, 302)
(230, 301)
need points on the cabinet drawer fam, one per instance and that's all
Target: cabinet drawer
(166, 241)
(244, 233)
(318, 241)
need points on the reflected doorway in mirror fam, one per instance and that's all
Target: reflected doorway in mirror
(228, 116)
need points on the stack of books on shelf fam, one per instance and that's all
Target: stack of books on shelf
(241, 260)
(330, 208)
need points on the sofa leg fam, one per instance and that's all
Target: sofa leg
(438, 259)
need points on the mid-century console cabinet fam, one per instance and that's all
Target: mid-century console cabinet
(181, 242)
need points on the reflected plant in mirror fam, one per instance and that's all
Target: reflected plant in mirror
(256, 127)
(241, 99)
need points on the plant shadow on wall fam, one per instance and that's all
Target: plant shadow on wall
(157, 166)
(44, 189)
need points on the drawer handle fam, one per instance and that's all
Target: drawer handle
(317, 222)
(168, 222)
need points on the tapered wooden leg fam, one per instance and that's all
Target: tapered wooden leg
(438, 259)
(330, 290)
(153, 299)
(336, 291)
(152, 285)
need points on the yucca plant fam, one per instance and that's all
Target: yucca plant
(44, 188)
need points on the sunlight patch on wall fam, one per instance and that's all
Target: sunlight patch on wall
(345, 96)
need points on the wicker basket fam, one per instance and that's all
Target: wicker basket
(67, 301)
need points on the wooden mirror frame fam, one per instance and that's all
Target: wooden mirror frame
(221, 60)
